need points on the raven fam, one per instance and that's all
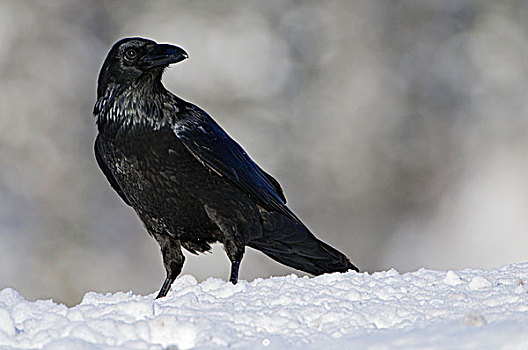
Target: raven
(189, 182)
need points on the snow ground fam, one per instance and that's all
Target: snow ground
(467, 309)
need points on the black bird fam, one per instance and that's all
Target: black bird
(189, 182)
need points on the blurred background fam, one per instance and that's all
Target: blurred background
(399, 130)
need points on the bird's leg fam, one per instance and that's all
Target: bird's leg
(235, 265)
(172, 259)
(165, 287)
(233, 239)
(235, 254)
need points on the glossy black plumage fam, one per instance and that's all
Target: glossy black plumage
(189, 182)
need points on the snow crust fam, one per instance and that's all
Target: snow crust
(467, 309)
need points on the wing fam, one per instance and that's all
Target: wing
(213, 147)
(107, 172)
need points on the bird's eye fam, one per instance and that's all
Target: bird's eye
(130, 54)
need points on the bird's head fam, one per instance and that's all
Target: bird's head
(131, 58)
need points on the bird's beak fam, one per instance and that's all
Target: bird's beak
(163, 55)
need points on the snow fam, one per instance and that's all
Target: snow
(466, 309)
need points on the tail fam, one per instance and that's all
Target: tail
(294, 245)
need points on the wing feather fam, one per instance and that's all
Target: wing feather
(214, 148)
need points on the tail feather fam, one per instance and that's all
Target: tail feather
(294, 245)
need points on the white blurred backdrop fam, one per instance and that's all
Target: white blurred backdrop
(399, 130)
